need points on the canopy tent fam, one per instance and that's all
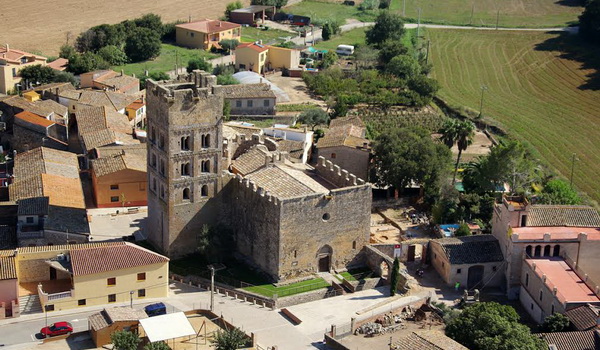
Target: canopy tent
(165, 327)
(248, 77)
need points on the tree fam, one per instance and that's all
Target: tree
(276, 3)
(387, 26)
(395, 274)
(143, 44)
(491, 326)
(404, 67)
(329, 59)
(424, 86)
(232, 6)
(199, 63)
(463, 230)
(67, 51)
(403, 156)
(124, 340)
(230, 339)
(159, 345)
(556, 323)
(226, 110)
(37, 74)
(66, 77)
(150, 21)
(589, 22)
(113, 55)
(86, 62)
(229, 44)
(227, 79)
(459, 132)
(390, 49)
(327, 31)
(558, 191)
(365, 57)
(313, 117)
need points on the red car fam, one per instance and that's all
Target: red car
(58, 328)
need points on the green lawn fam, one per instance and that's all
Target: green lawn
(543, 88)
(351, 37)
(358, 274)
(320, 11)
(270, 36)
(269, 290)
(165, 61)
(512, 13)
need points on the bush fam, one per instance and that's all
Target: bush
(327, 32)
(86, 62)
(226, 79)
(143, 44)
(113, 55)
(229, 44)
(368, 5)
(230, 339)
(404, 67)
(67, 51)
(232, 6)
(463, 230)
(124, 340)
(556, 323)
(199, 63)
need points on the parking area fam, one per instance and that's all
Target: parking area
(108, 224)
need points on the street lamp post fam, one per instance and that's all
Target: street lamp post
(212, 287)
(483, 88)
(131, 299)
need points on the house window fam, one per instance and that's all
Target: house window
(249, 103)
(153, 162)
(161, 142)
(494, 268)
(114, 187)
(141, 293)
(23, 60)
(141, 276)
(29, 219)
(111, 281)
(154, 184)
(531, 306)
(49, 307)
(114, 199)
(547, 250)
(81, 302)
(112, 298)
(556, 251)
(162, 167)
(266, 103)
(523, 220)
(552, 309)
(353, 244)
(526, 279)
(14, 72)
(333, 155)
(238, 103)
(458, 271)
(191, 34)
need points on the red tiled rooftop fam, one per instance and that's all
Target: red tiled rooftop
(558, 274)
(556, 233)
(34, 119)
(209, 26)
(59, 64)
(88, 261)
(253, 46)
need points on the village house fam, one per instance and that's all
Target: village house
(345, 144)
(9, 286)
(252, 14)
(296, 142)
(110, 80)
(49, 195)
(260, 58)
(136, 113)
(62, 277)
(471, 261)
(248, 99)
(110, 320)
(206, 34)
(526, 230)
(60, 64)
(119, 176)
(11, 62)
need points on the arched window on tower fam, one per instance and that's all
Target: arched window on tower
(185, 169)
(186, 194)
(206, 166)
(204, 191)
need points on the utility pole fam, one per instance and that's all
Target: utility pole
(131, 299)
(573, 159)
(497, 19)
(212, 287)
(483, 88)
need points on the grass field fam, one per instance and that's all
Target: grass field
(270, 36)
(166, 60)
(540, 86)
(511, 13)
(351, 37)
(269, 290)
(323, 10)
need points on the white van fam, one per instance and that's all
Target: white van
(344, 50)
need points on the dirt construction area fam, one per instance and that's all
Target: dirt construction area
(43, 29)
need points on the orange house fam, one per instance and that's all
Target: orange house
(119, 179)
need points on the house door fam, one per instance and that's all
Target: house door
(475, 276)
(411, 253)
(52, 273)
(324, 263)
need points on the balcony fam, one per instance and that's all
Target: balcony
(49, 298)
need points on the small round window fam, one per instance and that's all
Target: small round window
(326, 217)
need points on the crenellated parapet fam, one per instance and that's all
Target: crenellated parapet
(250, 186)
(336, 175)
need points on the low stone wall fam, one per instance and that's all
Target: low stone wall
(414, 304)
(334, 344)
(364, 284)
(302, 298)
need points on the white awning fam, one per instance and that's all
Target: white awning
(167, 326)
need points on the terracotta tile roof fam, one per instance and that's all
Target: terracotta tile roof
(283, 181)
(350, 120)
(34, 119)
(250, 161)
(107, 317)
(471, 249)
(116, 100)
(120, 82)
(431, 340)
(59, 64)
(66, 247)
(129, 161)
(105, 137)
(239, 91)
(43, 160)
(27, 188)
(139, 149)
(209, 26)
(563, 215)
(67, 219)
(586, 340)
(253, 46)
(248, 131)
(33, 107)
(55, 107)
(70, 94)
(63, 192)
(92, 118)
(33, 206)
(293, 148)
(556, 233)
(348, 131)
(137, 104)
(8, 270)
(584, 317)
(112, 258)
(14, 56)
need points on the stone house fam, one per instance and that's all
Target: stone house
(345, 145)
(472, 261)
(110, 80)
(11, 62)
(31, 131)
(206, 34)
(248, 99)
(110, 320)
(303, 219)
(526, 230)
(549, 285)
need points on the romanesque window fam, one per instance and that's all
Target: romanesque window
(353, 244)
(162, 167)
(153, 136)
(153, 161)
(161, 142)
(206, 166)
(154, 184)
(204, 191)
(186, 194)
(528, 251)
(547, 250)
(162, 191)
(206, 141)
(185, 169)
(538, 250)
(526, 280)
(333, 155)
(185, 143)
(556, 251)
(541, 295)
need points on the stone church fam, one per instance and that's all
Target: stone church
(288, 219)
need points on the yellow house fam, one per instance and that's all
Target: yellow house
(206, 33)
(260, 58)
(76, 275)
(11, 62)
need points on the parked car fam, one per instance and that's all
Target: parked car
(58, 328)
(155, 309)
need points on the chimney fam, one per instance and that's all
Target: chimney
(7, 48)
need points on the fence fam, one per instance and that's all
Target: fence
(584, 276)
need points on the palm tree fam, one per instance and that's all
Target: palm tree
(459, 132)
